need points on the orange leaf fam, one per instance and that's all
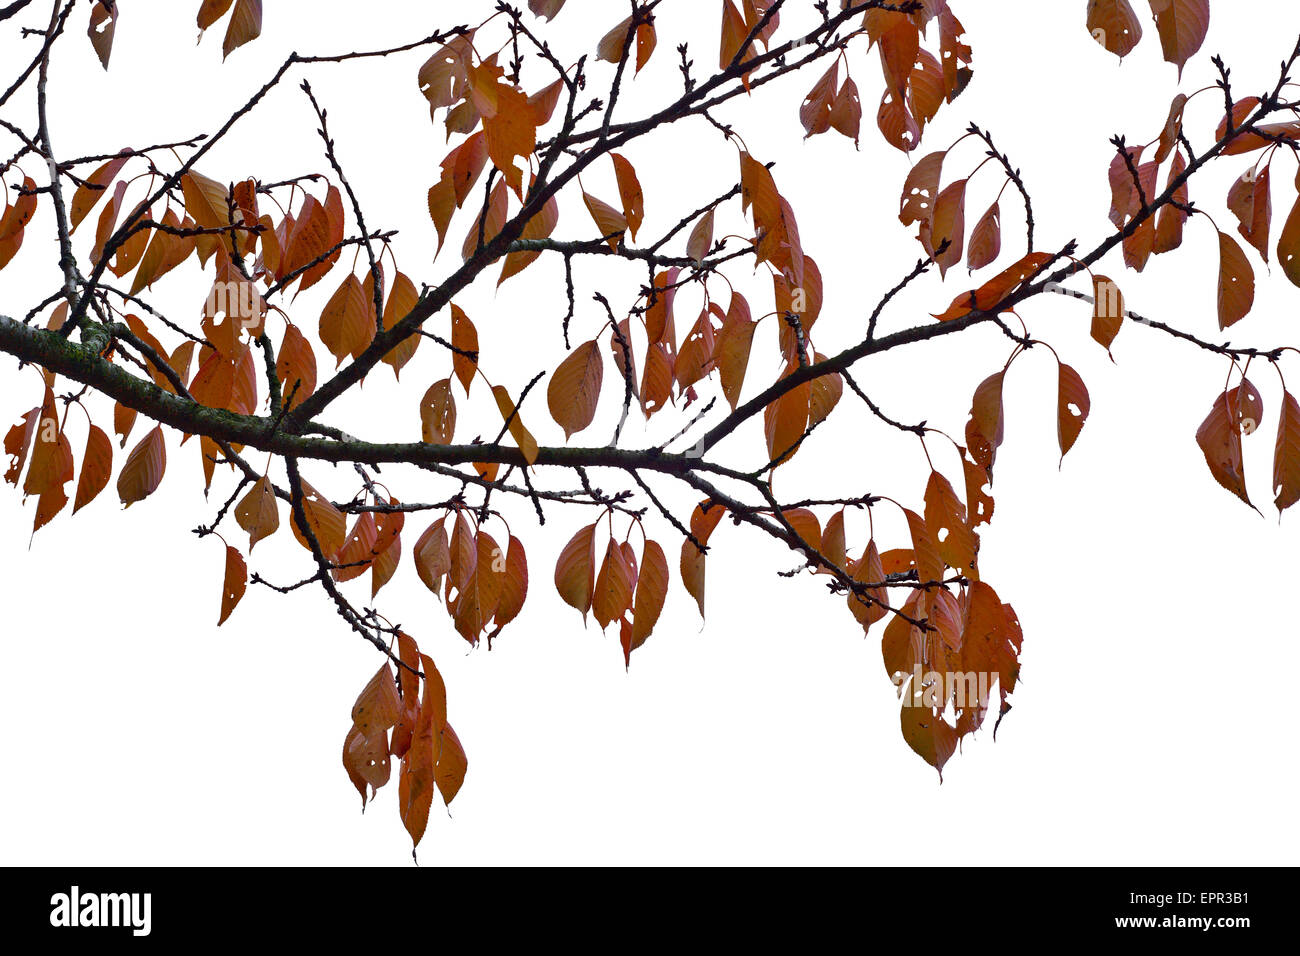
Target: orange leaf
(96, 468)
(985, 239)
(295, 366)
(401, 300)
(464, 338)
(1182, 25)
(612, 596)
(701, 239)
(144, 468)
(611, 223)
(785, 420)
(236, 581)
(432, 555)
(346, 326)
(1107, 310)
(945, 517)
(1072, 407)
(103, 21)
(257, 513)
(574, 388)
(575, 570)
(325, 521)
(651, 591)
(245, 25)
(1114, 25)
(522, 436)
(984, 429)
(377, 706)
(438, 414)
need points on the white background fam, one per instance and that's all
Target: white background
(1155, 723)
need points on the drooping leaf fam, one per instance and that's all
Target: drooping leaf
(574, 388)
(1182, 25)
(234, 584)
(438, 414)
(1072, 407)
(96, 468)
(144, 468)
(575, 570)
(1286, 455)
(522, 436)
(1114, 25)
(257, 512)
(1236, 282)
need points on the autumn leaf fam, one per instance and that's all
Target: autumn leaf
(1220, 439)
(103, 23)
(1236, 282)
(96, 468)
(438, 414)
(611, 223)
(234, 584)
(1072, 407)
(522, 436)
(1107, 310)
(1182, 25)
(245, 25)
(143, 470)
(574, 389)
(325, 521)
(346, 326)
(257, 512)
(701, 239)
(575, 570)
(1286, 455)
(651, 592)
(1114, 25)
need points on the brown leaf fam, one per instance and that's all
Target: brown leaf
(402, 298)
(575, 570)
(945, 517)
(245, 25)
(438, 414)
(574, 388)
(522, 436)
(612, 596)
(1182, 25)
(985, 239)
(144, 468)
(651, 592)
(325, 521)
(1114, 25)
(346, 326)
(1220, 439)
(1072, 407)
(236, 581)
(1286, 455)
(96, 468)
(984, 429)
(1236, 282)
(1107, 310)
(1251, 202)
(464, 338)
(701, 239)
(377, 706)
(103, 22)
(257, 512)
(295, 366)
(611, 223)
